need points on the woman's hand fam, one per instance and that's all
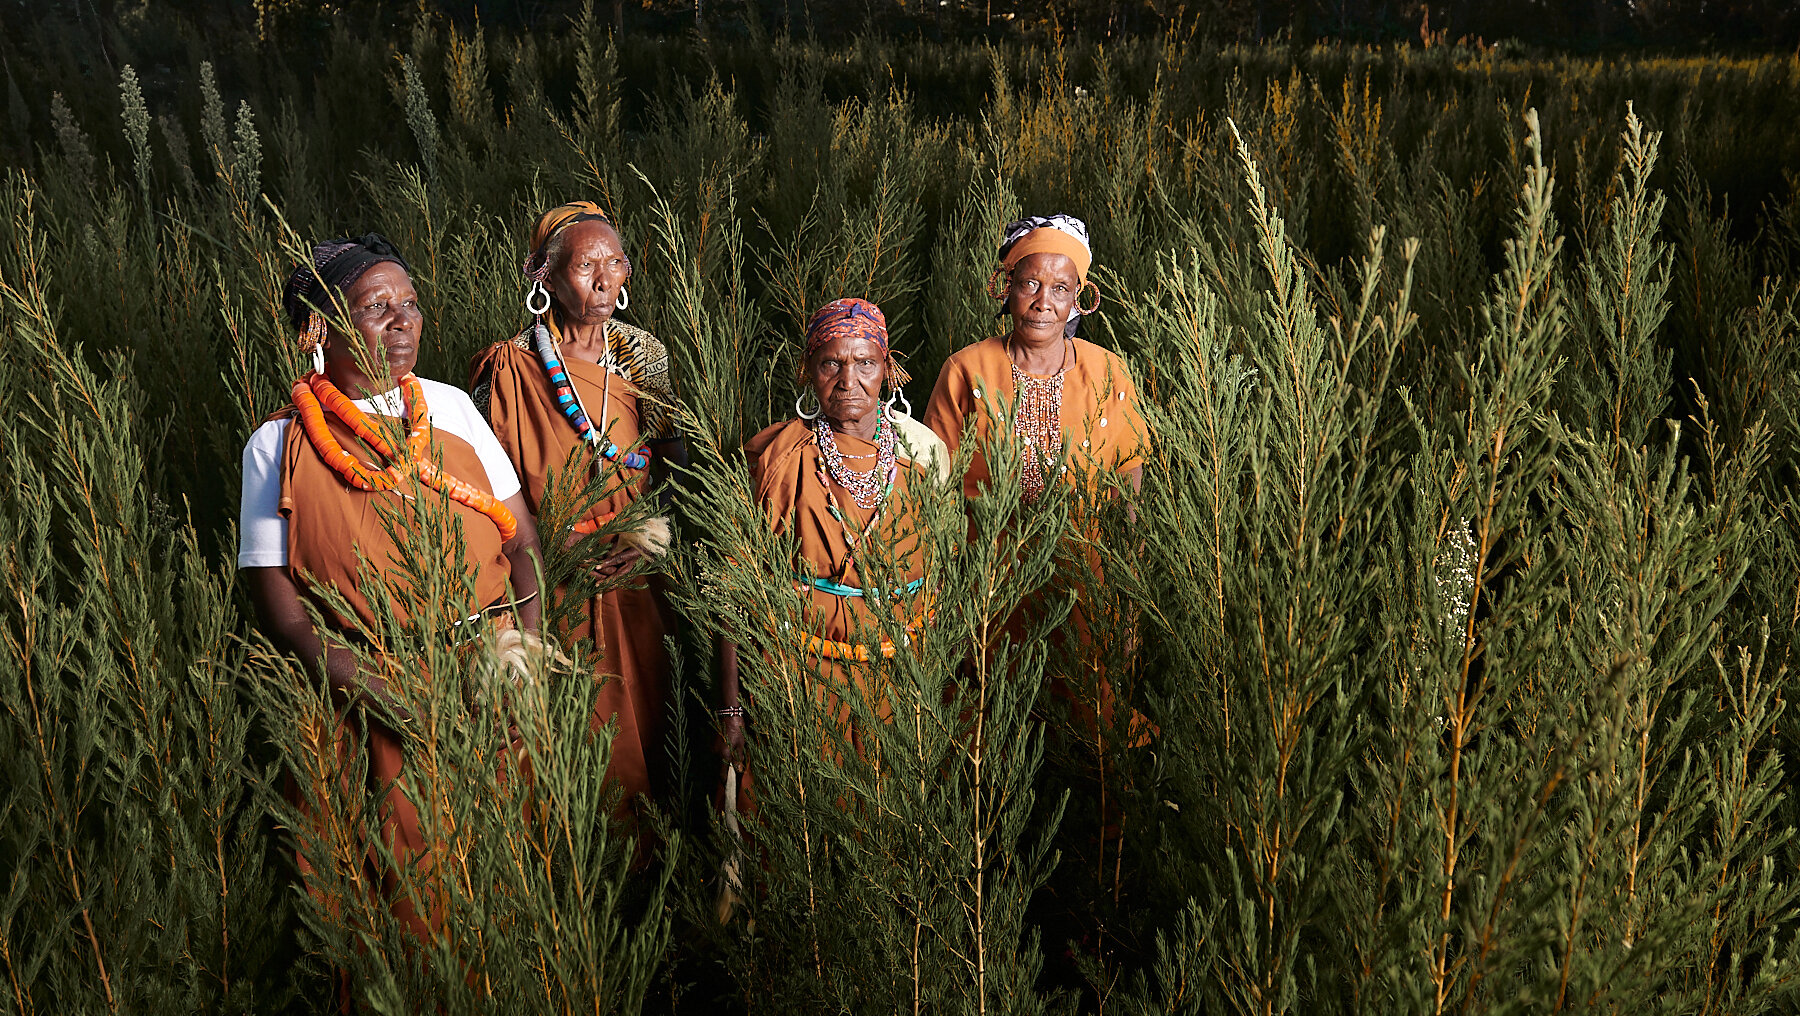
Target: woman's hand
(280, 616)
(618, 564)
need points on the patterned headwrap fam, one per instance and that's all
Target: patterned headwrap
(1053, 234)
(855, 318)
(553, 222)
(336, 265)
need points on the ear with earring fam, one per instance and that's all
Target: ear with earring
(624, 299)
(997, 283)
(1087, 285)
(312, 339)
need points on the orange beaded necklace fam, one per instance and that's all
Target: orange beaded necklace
(314, 396)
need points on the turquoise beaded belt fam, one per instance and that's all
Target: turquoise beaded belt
(839, 589)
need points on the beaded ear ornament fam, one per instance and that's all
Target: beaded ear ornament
(537, 301)
(997, 283)
(312, 341)
(1085, 286)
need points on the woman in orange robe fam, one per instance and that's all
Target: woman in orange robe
(1067, 390)
(837, 477)
(1073, 405)
(317, 484)
(580, 386)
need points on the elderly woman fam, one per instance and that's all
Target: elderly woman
(578, 386)
(837, 478)
(1073, 406)
(320, 476)
(1062, 390)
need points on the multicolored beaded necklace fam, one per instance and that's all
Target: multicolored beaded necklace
(1037, 419)
(868, 489)
(569, 401)
(314, 395)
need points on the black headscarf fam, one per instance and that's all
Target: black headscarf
(336, 265)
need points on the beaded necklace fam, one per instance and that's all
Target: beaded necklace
(866, 487)
(1037, 419)
(314, 395)
(569, 401)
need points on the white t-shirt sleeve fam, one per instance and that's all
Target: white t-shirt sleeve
(453, 410)
(262, 532)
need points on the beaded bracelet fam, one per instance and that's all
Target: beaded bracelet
(732, 711)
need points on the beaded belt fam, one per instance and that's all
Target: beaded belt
(834, 650)
(839, 589)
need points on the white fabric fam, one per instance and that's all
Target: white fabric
(262, 532)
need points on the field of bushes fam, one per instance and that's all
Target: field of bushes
(1462, 593)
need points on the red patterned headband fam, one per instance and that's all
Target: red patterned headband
(851, 318)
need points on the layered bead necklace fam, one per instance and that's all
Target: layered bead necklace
(868, 490)
(570, 403)
(1037, 419)
(314, 395)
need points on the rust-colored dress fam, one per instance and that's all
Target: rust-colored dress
(626, 622)
(1100, 417)
(328, 523)
(784, 467)
(1104, 431)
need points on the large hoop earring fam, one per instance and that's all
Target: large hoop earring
(801, 409)
(537, 301)
(899, 396)
(1085, 286)
(624, 299)
(1001, 276)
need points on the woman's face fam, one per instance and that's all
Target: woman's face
(592, 269)
(848, 372)
(385, 310)
(1040, 293)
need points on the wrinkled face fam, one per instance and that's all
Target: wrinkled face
(1040, 292)
(385, 310)
(848, 373)
(590, 269)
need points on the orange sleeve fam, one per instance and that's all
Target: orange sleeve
(946, 414)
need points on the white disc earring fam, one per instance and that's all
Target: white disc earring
(319, 359)
(538, 300)
(624, 299)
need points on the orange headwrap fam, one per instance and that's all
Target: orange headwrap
(555, 221)
(1046, 239)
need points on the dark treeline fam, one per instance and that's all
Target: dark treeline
(1556, 24)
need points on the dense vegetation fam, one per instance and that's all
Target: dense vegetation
(1462, 592)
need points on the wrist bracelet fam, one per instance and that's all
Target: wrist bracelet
(737, 711)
